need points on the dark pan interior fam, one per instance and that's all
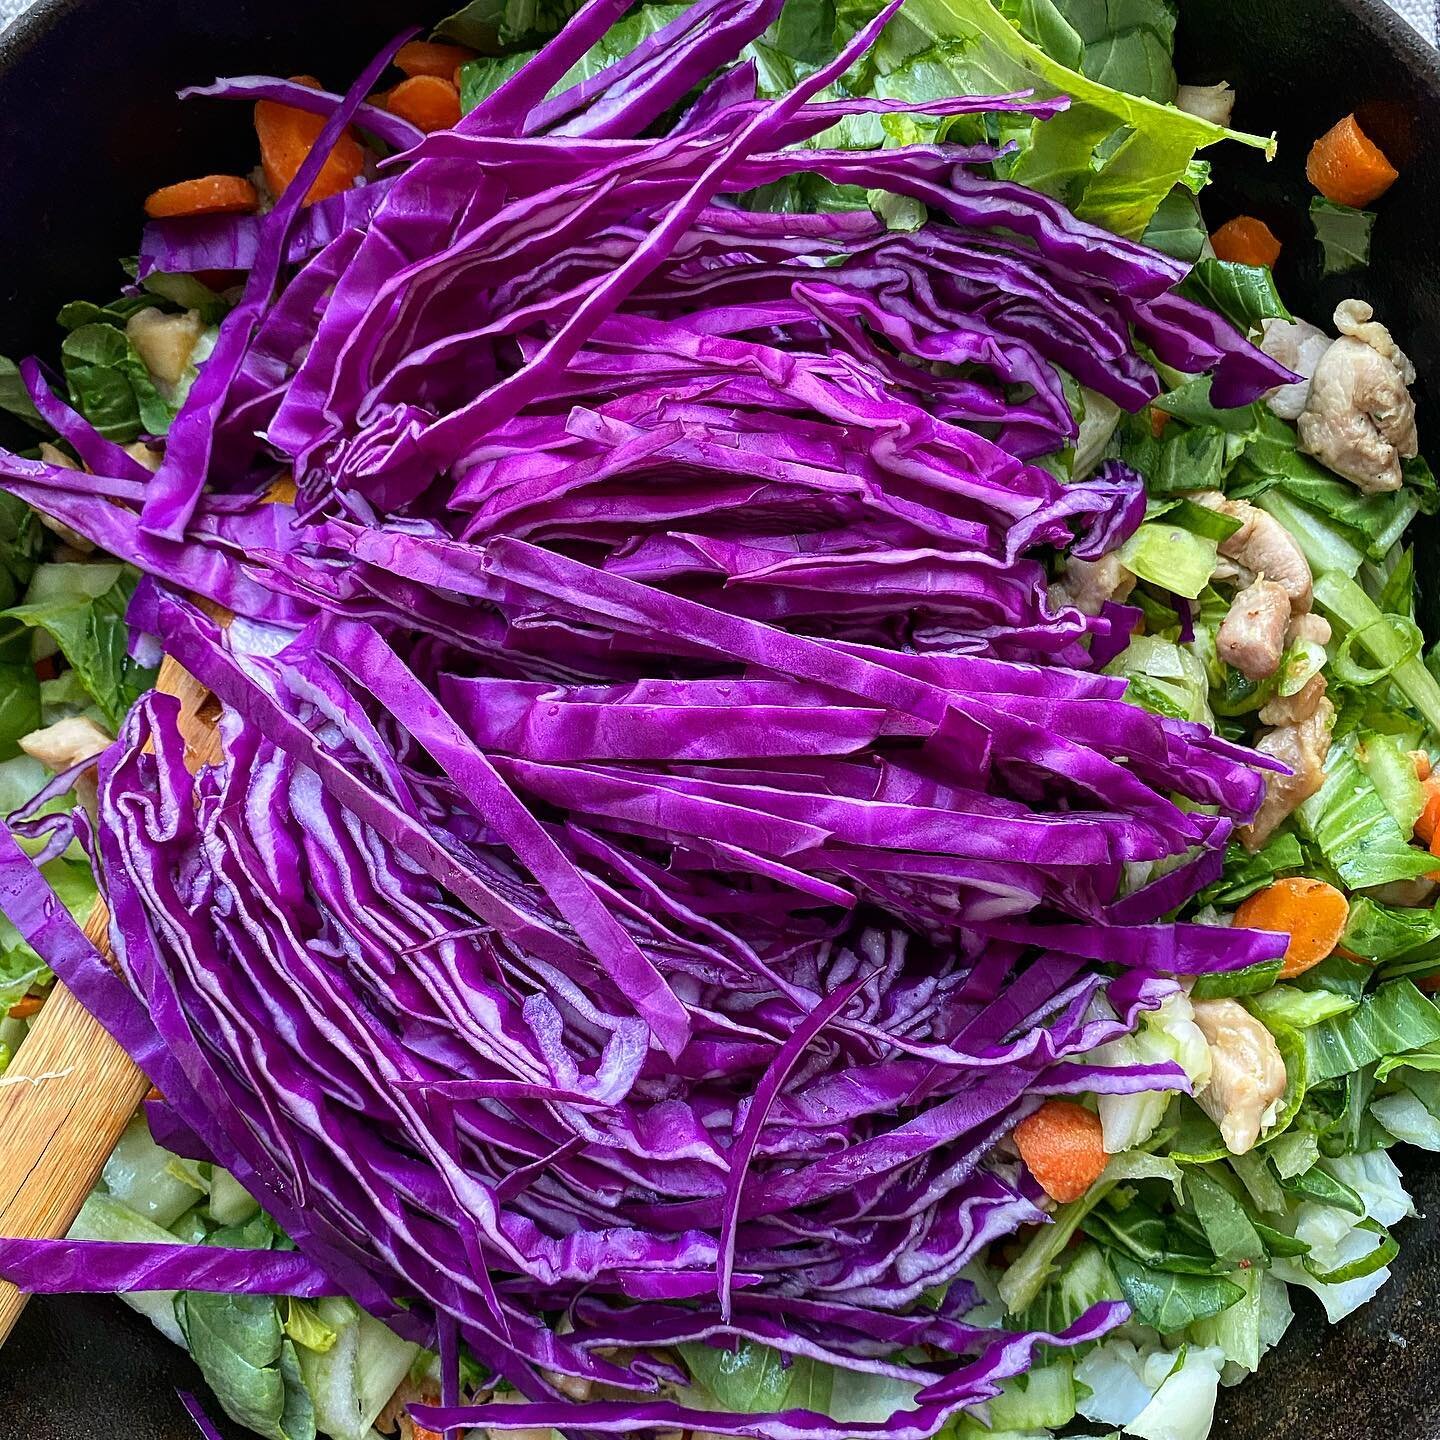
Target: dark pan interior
(89, 127)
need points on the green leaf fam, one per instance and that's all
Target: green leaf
(1244, 294)
(748, 1378)
(1083, 1280)
(479, 79)
(19, 706)
(1171, 557)
(1355, 832)
(483, 24)
(1114, 157)
(15, 398)
(1129, 45)
(240, 1347)
(87, 622)
(1245, 873)
(110, 386)
(1346, 605)
(305, 1327)
(1228, 1229)
(1043, 22)
(1149, 1237)
(1343, 233)
(1249, 981)
(1395, 1019)
(1170, 1301)
(1385, 933)
(1299, 1009)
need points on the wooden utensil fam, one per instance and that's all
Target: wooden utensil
(57, 1130)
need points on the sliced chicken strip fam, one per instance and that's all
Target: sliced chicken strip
(1263, 546)
(1299, 346)
(1252, 636)
(1247, 1073)
(1292, 709)
(1089, 584)
(1304, 748)
(1359, 417)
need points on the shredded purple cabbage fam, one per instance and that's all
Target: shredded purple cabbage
(667, 834)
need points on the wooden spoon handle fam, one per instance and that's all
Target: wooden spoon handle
(71, 1090)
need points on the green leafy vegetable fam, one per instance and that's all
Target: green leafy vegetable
(1170, 556)
(1395, 1019)
(1171, 1301)
(15, 398)
(1250, 981)
(1343, 233)
(82, 607)
(1113, 157)
(1354, 830)
(110, 386)
(1244, 294)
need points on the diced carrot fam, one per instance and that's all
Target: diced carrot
(1158, 421)
(1311, 912)
(209, 195)
(1247, 241)
(1421, 761)
(427, 101)
(154, 1093)
(286, 138)
(24, 1009)
(1063, 1144)
(429, 57)
(1428, 983)
(419, 1432)
(1348, 167)
(1428, 822)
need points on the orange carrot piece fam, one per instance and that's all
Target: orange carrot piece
(1247, 241)
(1158, 421)
(286, 137)
(1063, 1144)
(1311, 912)
(1428, 822)
(429, 57)
(1348, 167)
(427, 101)
(1428, 983)
(1421, 761)
(209, 195)
(24, 1009)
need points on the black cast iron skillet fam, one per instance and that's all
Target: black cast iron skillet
(88, 127)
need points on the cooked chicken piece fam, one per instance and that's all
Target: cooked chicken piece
(1292, 709)
(1359, 418)
(1309, 626)
(66, 743)
(1215, 103)
(1247, 1075)
(165, 342)
(1089, 584)
(150, 459)
(1298, 346)
(1303, 748)
(1252, 636)
(53, 455)
(1262, 546)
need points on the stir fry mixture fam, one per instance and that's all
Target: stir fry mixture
(824, 822)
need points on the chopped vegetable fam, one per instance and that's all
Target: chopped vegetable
(209, 195)
(431, 57)
(1310, 912)
(427, 101)
(286, 138)
(1246, 241)
(1347, 167)
(1064, 1147)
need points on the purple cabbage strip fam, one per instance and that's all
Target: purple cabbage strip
(666, 836)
